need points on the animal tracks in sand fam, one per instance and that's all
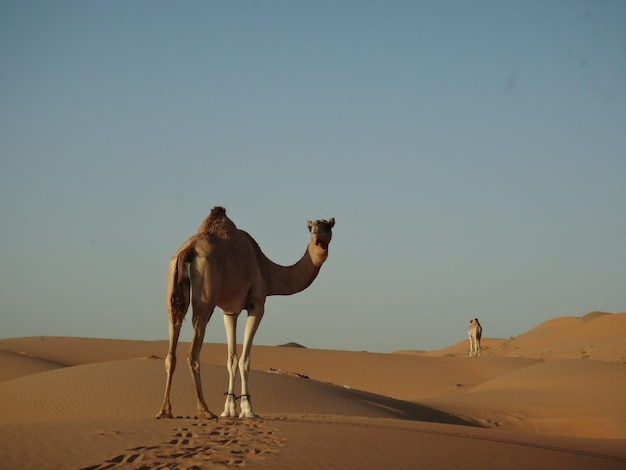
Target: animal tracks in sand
(202, 445)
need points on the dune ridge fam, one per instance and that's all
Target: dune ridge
(596, 335)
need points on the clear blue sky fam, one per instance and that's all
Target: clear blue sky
(472, 153)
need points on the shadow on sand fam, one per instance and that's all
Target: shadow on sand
(406, 410)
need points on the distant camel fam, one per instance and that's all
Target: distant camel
(475, 332)
(222, 266)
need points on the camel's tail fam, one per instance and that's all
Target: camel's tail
(178, 286)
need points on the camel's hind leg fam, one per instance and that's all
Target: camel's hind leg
(200, 321)
(170, 365)
(205, 286)
(471, 345)
(178, 303)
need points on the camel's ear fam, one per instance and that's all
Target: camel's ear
(332, 222)
(309, 224)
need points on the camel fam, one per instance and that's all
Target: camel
(222, 266)
(475, 332)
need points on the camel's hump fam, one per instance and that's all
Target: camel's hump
(217, 223)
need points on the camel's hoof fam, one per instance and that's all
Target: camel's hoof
(207, 415)
(164, 414)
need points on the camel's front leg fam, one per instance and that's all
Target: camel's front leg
(471, 346)
(252, 323)
(230, 325)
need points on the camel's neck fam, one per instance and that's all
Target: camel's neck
(287, 280)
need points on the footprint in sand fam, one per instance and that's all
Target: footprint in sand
(227, 443)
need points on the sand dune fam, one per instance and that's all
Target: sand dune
(532, 400)
(596, 335)
(14, 365)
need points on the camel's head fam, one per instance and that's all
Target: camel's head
(321, 232)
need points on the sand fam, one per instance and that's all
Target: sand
(550, 397)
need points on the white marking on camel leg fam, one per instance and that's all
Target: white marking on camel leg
(230, 325)
(252, 323)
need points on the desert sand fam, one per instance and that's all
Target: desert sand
(552, 397)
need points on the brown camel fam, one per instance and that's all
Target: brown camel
(223, 266)
(474, 333)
